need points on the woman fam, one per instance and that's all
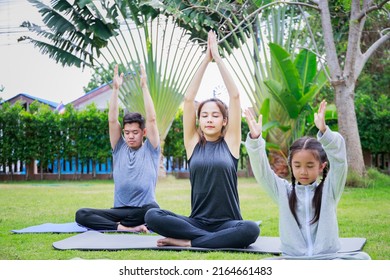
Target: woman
(213, 151)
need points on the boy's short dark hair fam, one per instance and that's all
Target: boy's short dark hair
(134, 118)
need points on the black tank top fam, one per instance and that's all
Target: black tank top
(213, 177)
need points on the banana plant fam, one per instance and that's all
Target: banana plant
(253, 64)
(300, 82)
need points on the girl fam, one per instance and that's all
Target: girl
(213, 151)
(307, 206)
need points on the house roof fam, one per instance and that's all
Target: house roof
(91, 95)
(29, 98)
(100, 95)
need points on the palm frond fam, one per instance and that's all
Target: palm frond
(65, 58)
(169, 59)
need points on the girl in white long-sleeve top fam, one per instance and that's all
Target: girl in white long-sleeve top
(308, 225)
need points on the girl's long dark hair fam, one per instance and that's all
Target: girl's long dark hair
(308, 143)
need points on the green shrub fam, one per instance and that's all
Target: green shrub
(373, 175)
(354, 180)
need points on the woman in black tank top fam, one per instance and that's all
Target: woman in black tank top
(212, 148)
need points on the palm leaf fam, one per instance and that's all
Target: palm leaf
(289, 73)
(169, 59)
(321, 81)
(285, 98)
(54, 45)
(306, 64)
(71, 29)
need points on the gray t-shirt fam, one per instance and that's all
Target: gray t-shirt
(135, 174)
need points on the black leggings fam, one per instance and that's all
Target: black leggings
(108, 219)
(228, 234)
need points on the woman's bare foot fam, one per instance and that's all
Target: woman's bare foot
(140, 228)
(173, 242)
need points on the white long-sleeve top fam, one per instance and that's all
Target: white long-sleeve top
(309, 239)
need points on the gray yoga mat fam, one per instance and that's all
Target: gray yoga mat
(93, 240)
(72, 227)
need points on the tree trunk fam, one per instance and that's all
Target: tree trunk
(344, 82)
(94, 169)
(11, 170)
(76, 168)
(30, 169)
(348, 128)
(162, 172)
(41, 167)
(59, 168)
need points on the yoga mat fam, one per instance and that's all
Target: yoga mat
(59, 228)
(63, 228)
(93, 240)
(53, 228)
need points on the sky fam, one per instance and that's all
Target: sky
(23, 69)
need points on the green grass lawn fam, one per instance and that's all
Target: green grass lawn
(362, 212)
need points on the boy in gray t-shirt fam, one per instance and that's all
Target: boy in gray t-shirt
(135, 166)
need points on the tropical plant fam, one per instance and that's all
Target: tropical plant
(300, 83)
(93, 33)
(245, 29)
(345, 64)
(276, 65)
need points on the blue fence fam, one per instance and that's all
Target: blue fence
(69, 167)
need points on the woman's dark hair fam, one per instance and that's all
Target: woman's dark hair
(224, 111)
(309, 144)
(134, 118)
